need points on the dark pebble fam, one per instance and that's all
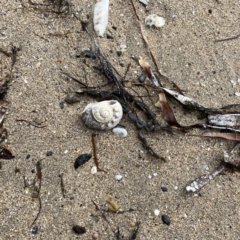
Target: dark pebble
(33, 171)
(164, 189)
(119, 53)
(109, 36)
(28, 156)
(113, 27)
(49, 153)
(61, 105)
(35, 230)
(166, 219)
(79, 230)
(83, 158)
(142, 78)
(89, 54)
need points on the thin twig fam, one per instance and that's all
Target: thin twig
(30, 123)
(227, 39)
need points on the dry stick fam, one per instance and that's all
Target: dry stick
(38, 177)
(95, 153)
(30, 123)
(227, 39)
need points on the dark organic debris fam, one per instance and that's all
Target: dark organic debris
(227, 39)
(225, 120)
(226, 135)
(6, 154)
(30, 123)
(135, 232)
(73, 98)
(166, 219)
(38, 177)
(148, 147)
(78, 229)
(89, 54)
(83, 158)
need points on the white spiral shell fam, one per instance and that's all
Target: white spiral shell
(103, 115)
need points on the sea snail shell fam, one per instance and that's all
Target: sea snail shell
(103, 115)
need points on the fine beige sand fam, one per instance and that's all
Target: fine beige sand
(186, 51)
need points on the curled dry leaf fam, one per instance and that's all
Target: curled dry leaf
(148, 71)
(167, 112)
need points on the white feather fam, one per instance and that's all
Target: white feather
(100, 18)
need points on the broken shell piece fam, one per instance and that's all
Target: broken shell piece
(100, 18)
(103, 115)
(121, 132)
(155, 20)
(112, 204)
(145, 2)
(118, 177)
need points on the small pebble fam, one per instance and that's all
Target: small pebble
(166, 219)
(109, 36)
(94, 170)
(149, 176)
(176, 187)
(33, 171)
(156, 212)
(61, 105)
(35, 230)
(155, 174)
(49, 153)
(118, 177)
(83, 158)
(164, 189)
(121, 132)
(28, 156)
(95, 236)
(66, 151)
(237, 94)
(142, 78)
(113, 27)
(119, 53)
(89, 54)
(79, 230)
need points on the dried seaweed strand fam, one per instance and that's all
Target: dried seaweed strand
(62, 185)
(5, 52)
(95, 153)
(38, 177)
(30, 123)
(227, 39)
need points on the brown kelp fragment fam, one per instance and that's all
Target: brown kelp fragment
(62, 185)
(167, 112)
(95, 153)
(112, 204)
(79, 230)
(148, 71)
(38, 177)
(226, 120)
(135, 232)
(148, 147)
(226, 135)
(6, 154)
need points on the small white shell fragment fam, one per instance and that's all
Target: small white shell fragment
(100, 18)
(145, 2)
(155, 174)
(155, 20)
(121, 132)
(237, 94)
(103, 115)
(156, 212)
(118, 177)
(94, 170)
